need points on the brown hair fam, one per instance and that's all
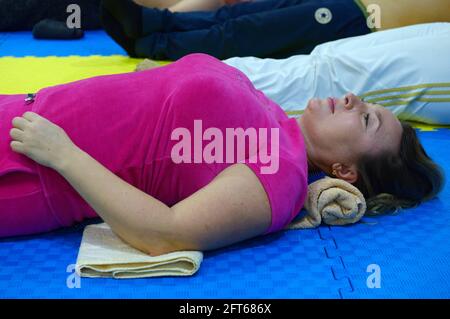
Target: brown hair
(390, 182)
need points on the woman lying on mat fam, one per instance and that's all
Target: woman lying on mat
(269, 28)
(191, 156)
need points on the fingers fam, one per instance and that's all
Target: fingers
(30, 116)
(16, 134)
(17, 147)
(20, 123)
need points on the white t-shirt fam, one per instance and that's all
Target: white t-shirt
(406, 70)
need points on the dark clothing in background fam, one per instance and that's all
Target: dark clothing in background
(271, 28)
(17, 15)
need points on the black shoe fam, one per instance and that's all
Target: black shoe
(52, 29)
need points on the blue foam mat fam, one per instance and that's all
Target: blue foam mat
(20, 44)
(283, 265)
(411, 249)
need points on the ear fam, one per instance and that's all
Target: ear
(348, 173)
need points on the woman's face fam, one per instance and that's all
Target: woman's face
(338, 132)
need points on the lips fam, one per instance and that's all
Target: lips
(332, 104)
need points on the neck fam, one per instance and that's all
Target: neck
(312, 168)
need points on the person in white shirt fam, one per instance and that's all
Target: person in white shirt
(404, 69)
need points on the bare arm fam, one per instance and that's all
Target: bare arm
(232, 208)
(138, 218)
(201, 5)
(160, 4)
(196, 5)
(182, 5)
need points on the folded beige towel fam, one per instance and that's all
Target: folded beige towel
(103, 254)
(333, 202)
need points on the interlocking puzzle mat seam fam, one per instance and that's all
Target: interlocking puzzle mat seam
(408, 247)
(284, 265)
(338, 268)
(343, 280)
(281, 269)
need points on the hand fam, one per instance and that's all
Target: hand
(147, 64)
(41, 140)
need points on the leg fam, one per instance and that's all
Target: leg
(137, 21)
(125, 21)
(177, 19)
(159, 4)
(186, 5)
(24, 208)
(260, 34)
(196, 5)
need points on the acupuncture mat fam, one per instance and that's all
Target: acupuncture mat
(400, 256)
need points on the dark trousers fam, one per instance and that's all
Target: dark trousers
(270, 28)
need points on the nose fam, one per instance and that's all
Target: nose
(351, 100)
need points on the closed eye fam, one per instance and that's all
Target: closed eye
(367, 119)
